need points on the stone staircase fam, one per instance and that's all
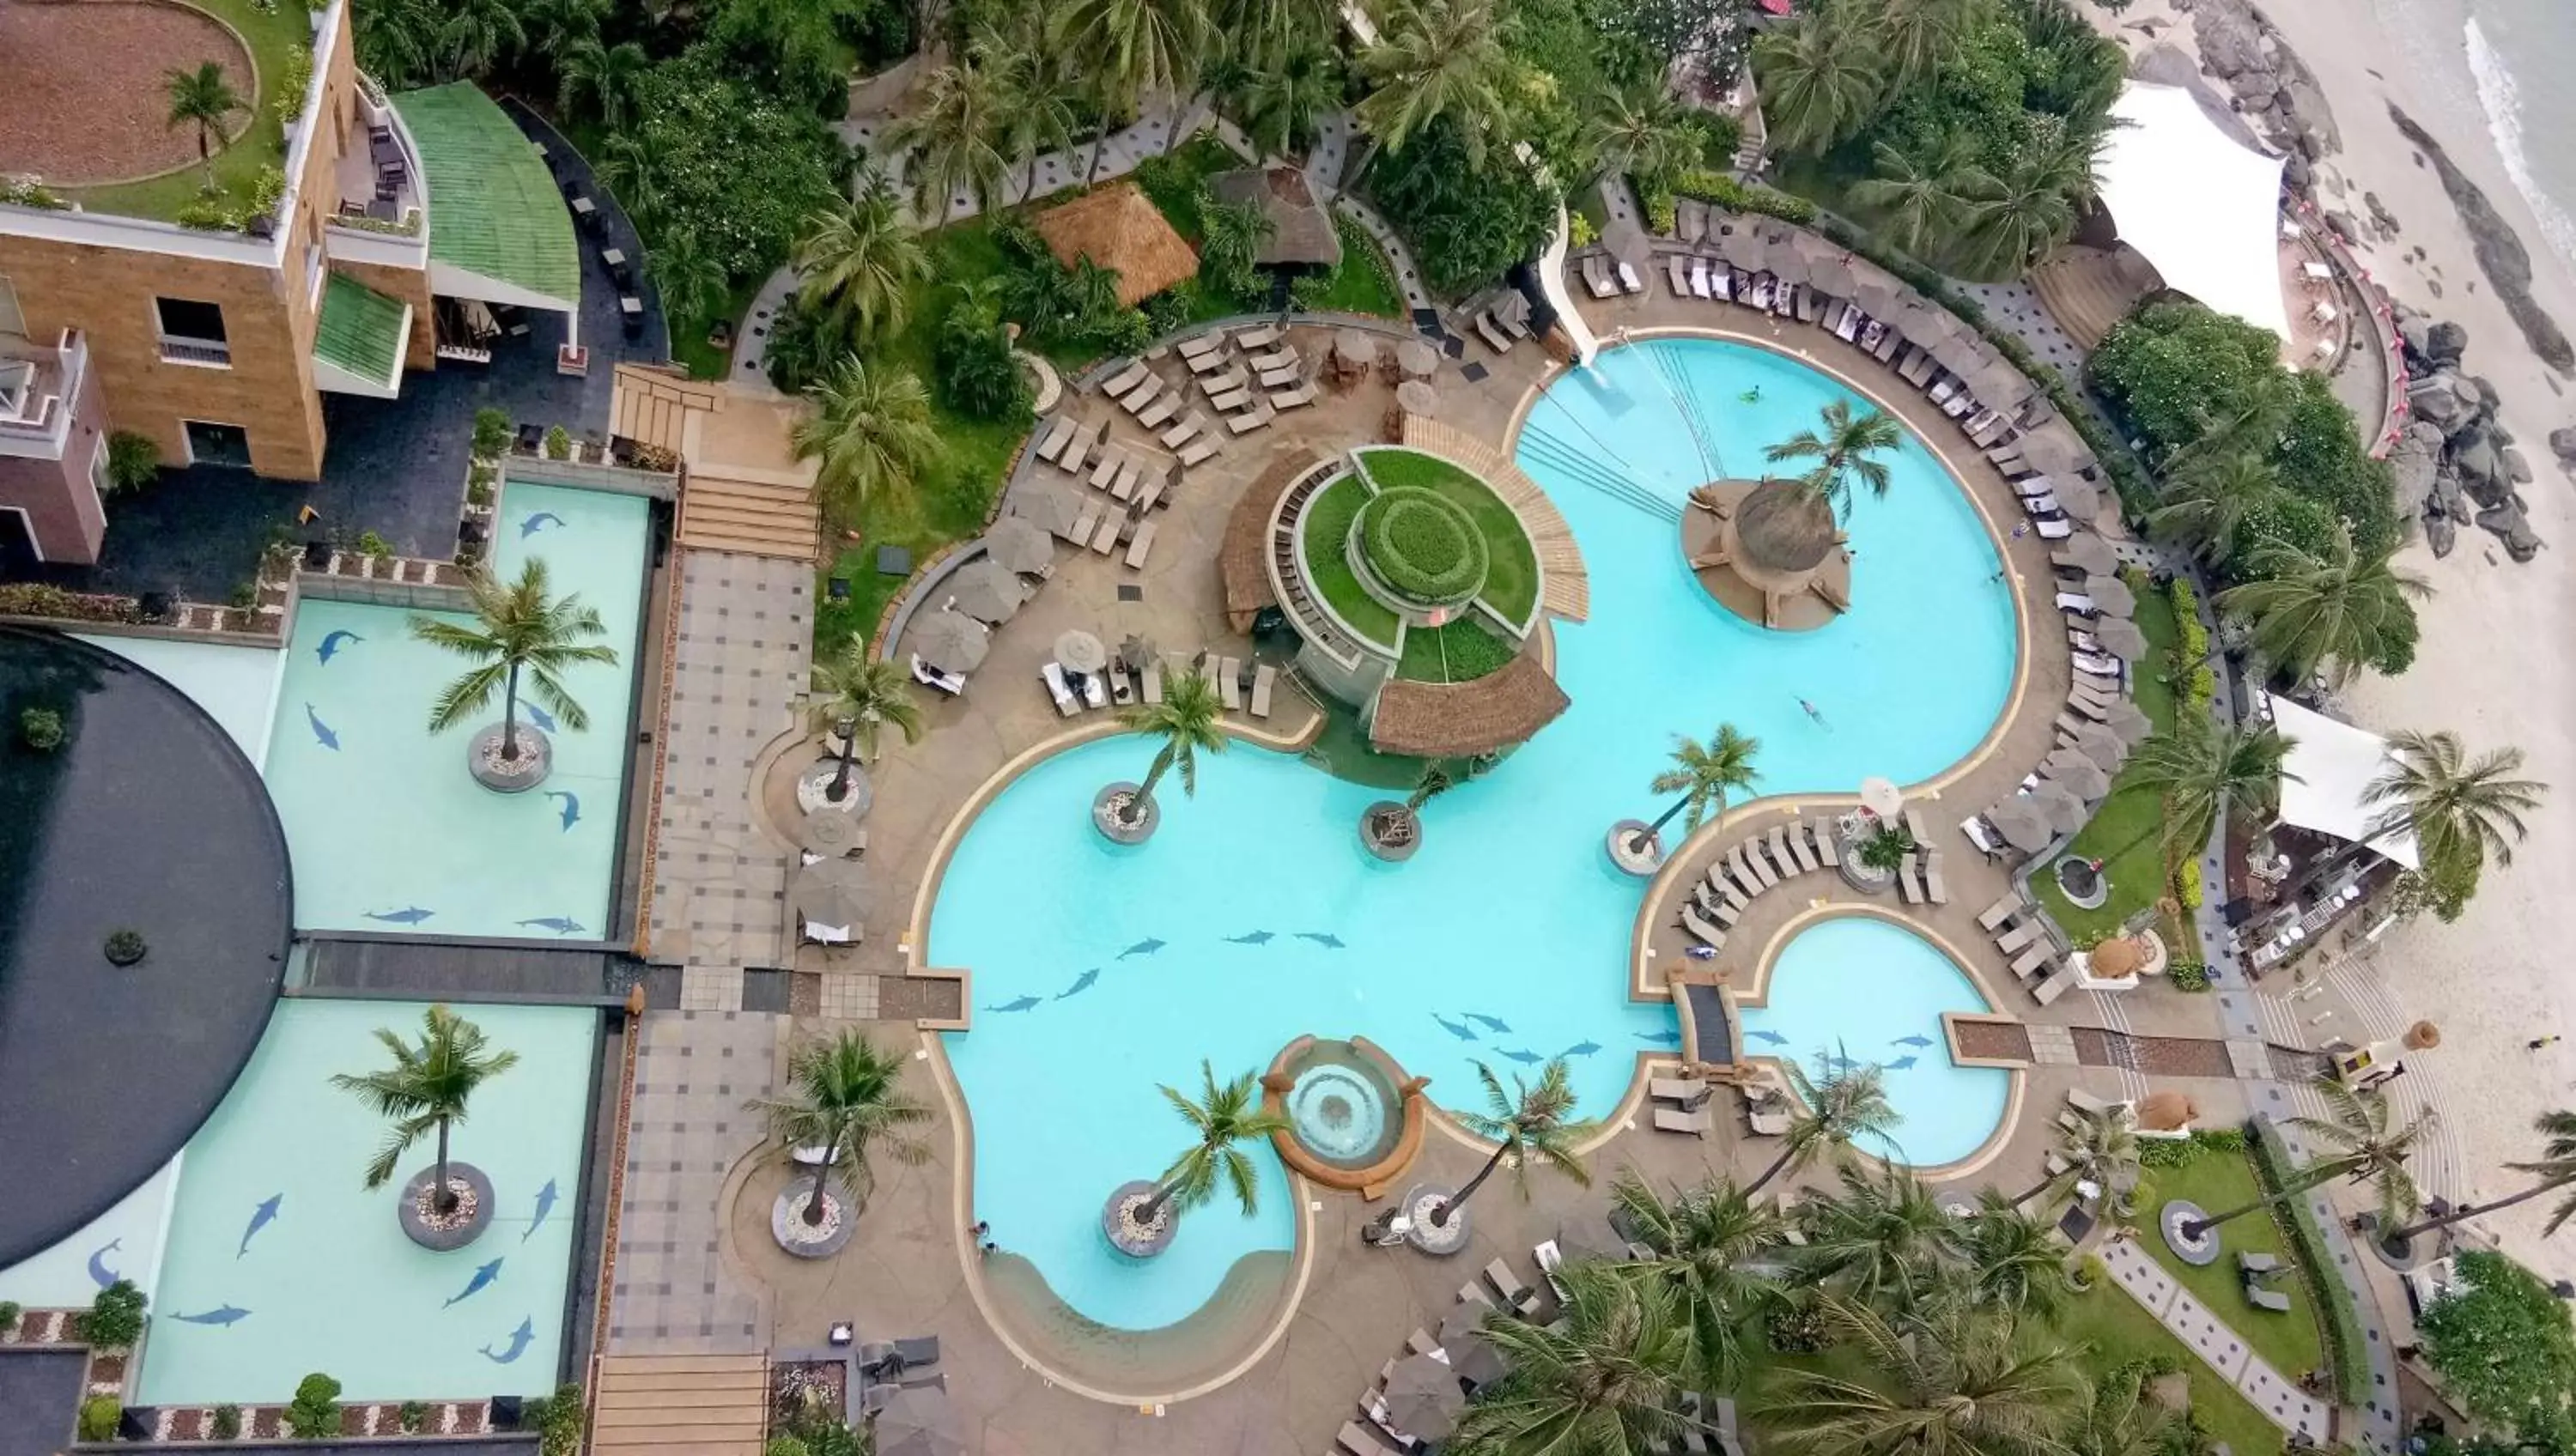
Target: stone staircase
(744, 512)
(1565, 585)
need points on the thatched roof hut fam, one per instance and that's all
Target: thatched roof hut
(1787, 528)
(1301, 230)
(1120, 228)
(1243, 554)
(1460, 720)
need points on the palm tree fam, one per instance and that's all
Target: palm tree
(1703, 774)
(1283, 99)
(1222, 1117)
(426, 1090)
(1918, 193)
(1883, 1240)
(955, 133)
(691, 282)
(2205, 508)
(864, 691)
(606, 74)
(1606, 1378)
(1527, 1125)
(1637, 132)
(2360, 1146)
(2204, 773)
(1917, 38)
(2097, 1147)
(1847, 1100)
(845, 1097)
(1435, 59)
(2557, 1169)
(870, 431)
(2123, 1418)
(477, 33)
(1139, 47)
(517, 627)
(202, 98)
(2017, 216)
(2460, 812)
(1955, 1383)
(1231, 236)
(1039, 84)
(1263, 32)
(627, 169)
(1846, 451)
(1704, 1243)
(2014, 1261)
(558, 25)
(1188, 721)
(1820, 79)
(860, 262)
(1400, 824)
(2332, 607)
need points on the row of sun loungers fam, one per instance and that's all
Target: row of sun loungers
(1748, 869)
(1918, 879)
(2020, 933)
(1240, 687)
(1606, 276)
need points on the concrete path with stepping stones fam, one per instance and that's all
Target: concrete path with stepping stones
(2281, 1401)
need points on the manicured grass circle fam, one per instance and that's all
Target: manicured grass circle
(1423, 545)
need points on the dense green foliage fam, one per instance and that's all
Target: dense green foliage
(722, 163)
(1326, 533)
(1459, 650)
(2341, 1323)
(2505, 1350)
(1467, 221)
(114, 1320)
(1511, 567)
(315, 1412)
(99, 1415)
(1422, 547)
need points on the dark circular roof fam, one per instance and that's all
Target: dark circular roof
(1786, 528)
(147, 817)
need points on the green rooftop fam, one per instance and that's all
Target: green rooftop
(493, 207)
(360, 331)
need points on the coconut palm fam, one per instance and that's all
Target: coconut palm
(1705, 1243)
(1820, 77)
(1956, 1382)
(1401, 824)
(1188, 721)
(1845, 1100)
(2013, 1261)
(846, 1098)
(202, 98)
(1637, 132)
(426, 1090)
(1231, 235)
(1264, 32)
(1916, 38)
(1222, 1117)
(1283, 98)
(1529, 1124)
(1918, 193)
(2204, 773)
(1703, 774)
(1039, 83)
(607, 74)
(627, 169)
(690, 280)
(1436, 59)
(555, 26)
(1882, 1239)
(476, 34)
(517, 627)
(2359, 1144)
(867, 692)
(2206, 506)
(2556, 1168)
(859, 263)
(2122, 1418)
(870, 432)
(1139, 48)
(955, 133)
(1605, 1378)
(2097, 1147)
(2334, 609)
(2460, 812)
(1846, 453)
(2016, 216)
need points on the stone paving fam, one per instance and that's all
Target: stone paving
(2214, 1341)
(673, 1291)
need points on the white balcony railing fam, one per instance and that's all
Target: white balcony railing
(40, 425)
(198, 353)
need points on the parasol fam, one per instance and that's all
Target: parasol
(1020, 545)
(2019, 821)
(2083, 778)
(950, 642)
(2121, 638)
(2133, 726)
(2062, 811)
(1881, 797)
(2111, 596)
(917, 1420)
(1417, 359)
(2087, 553)
(1048, 506)
(1423, 1398)
(2076, 496)
(987, 592)
(1081, 651)
(830, 832)
(1417, 398)
(1354, 349)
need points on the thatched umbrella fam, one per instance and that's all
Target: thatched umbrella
(1827, 273)
(2111, 596)
(1423, 1398)
(1999, 385)
(987, 592)
(1786, 527)
(950, 642)
(1416, 359)
(1020, 545)
(2086, 553)
(1788, 265)
(2019, 821)
(2116, 957)
(1927, 324)
(1747, 250)
(2166, 1111)
(2064, 812)
(2125, 719)
(2083, 778)
(2121, 638)
(2076, 496)
(1417, 398)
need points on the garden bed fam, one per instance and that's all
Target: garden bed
(2219, 1179)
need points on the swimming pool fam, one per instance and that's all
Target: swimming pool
(1254, 916)
(387, 830)
(277, 1263)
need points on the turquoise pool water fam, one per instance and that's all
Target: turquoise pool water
(387, 830)
(1254, 916)
(237, 686)
(248, 1305)
(1865, 990)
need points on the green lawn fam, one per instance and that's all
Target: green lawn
(1364, 283)
(272, 39)
(1326, 535)
(2219, 1180)
(2128, 818)
(689, 347)
(1461, 651)
(1511, 581)
(2120, 1330)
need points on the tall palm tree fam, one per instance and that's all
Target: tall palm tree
(1283, 98)
(1956, 1382)
(690, 280)
(517, 627)
(1231, 236)
(607, 74)
(1883, 1239)
(1917, 38)
(627, 169)
(2097, 1147)
(1846, 453)
(2460, 811)
(1846, 1100)
(2206, 506)
(859, 262)
(955, 133)
(2123, 1418)
(1637, 131)
(1040, 84)
(1222, 1117)
(2014, 1262)
(1606, 1378)
(426, 1090)
(202, 98)
(476, 34)
(555, 26)
(1919, 192)
(846, 1097)
(1706, 1243)
(2204, 773)
(1821, 75)
(2334, 609)
(1703, 774)
(2016, 216)
(2246, 421)
(1436, 59)
(1529, 1124)
(1140, 47)
(1187, 722)
(1263, 32)
(867, 692)
(2359, 1144)
(2556, 1168)
(870, 432)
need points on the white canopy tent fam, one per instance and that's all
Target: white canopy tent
(2199, 205)
(2326, 778)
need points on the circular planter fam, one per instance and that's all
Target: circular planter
(2201, 1252)
(2085, 887)
(1419, 547)
(1390, 831)
(805, 1240)
(1104, 814)
(813, 789)
(1136, 1240)
(1635, 847)
(2400, 1257)
(1441, 1240)
(442, 1234)
(510, 776)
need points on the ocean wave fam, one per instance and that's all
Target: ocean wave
(2500, 96)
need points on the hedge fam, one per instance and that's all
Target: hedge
(2273, 1166)
(1423, 545)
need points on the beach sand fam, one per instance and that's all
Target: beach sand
(2495, 660)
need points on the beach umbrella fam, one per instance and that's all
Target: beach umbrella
(1464, 1319)
(830, 832)
(1787, 265)
(950, 642)
(2019, 821)
(2076, 496)
(1020, 545)
(1588, 1235)
(2063, 812)
(986, 592)
(1423, 1398)
(2087, 553)
(1881, 797)
(1960, 354)
(2166, 1111)
(826, 895)
(2000, 386)
(1471, 1352)
(1417, 398)
(1135, 652)
(1047, 505)
(1416, 358)
(1354, 349)
(2052, 451)
(1081, 651)
(2102, 746)
(2111, 596)
(917, 1420)
(2121, 638)
(2063, 758)
(2133, 726)
(1927, 324)
(2083, 778)
(1878, 295)
(1827, 273)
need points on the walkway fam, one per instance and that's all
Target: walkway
(2210, 1338)
(695, 1405)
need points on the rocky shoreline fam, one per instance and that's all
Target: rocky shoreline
(2458, 464)
(2501, 255)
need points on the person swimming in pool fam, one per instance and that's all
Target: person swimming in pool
(1752, 396)
(1813, 713)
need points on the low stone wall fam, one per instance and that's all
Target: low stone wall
(615, 479)
(386, 581)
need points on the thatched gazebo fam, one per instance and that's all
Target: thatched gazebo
(1770, 551)
(1119, 228)
(1302, 237)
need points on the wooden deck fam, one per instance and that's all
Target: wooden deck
(755, 516)
(1565, 586)
(701, 1405)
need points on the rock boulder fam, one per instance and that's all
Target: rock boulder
(2441, 533)
(2445, 342)
(2516, 469)
(2508, 524)
(2562, 443)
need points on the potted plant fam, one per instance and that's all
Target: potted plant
(1392, 829)
(845, 1101)
(427, 1090)
(519, 627)
(1143, 1215)
(125, 947)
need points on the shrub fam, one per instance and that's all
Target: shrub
(211, 214)
(1423, 545)
(1176, 306)
(978, 377)
(315, 1412)
(371, 544)
(133, 460)
(785, 1446)
(2187, 884)
(228, 1423)
(98, 1417)
(125, 947)
(732, 164)
(2188, 975)
(28, 192)
(8, 1315)
(1734, 196)
(115, 1319)
(1580, 231)
(1126, 331)
(1796, 1329)
(491, 431)
(38, 599)
(558, 443)
(298, 74)
(414, 1416)
(267, 190)
(561, 1424)
(40, 729)
(1886, 847)
(2201, 687)
(2344, 1357)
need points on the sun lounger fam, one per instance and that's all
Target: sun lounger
(1988, 432)
(2053, 987)
(1184, 432)
(1725, 888)
(1142, 543)
(1232, 379)
(1699, 277)
(2264, 1298)
(1229, 686)
(1058, 689)
(2076, 602)
(2083, 1101)
(1791, 849)
(1284, 377)
(1196, 346)
(1303, 393)
(2104, 666)
(1474, 1293)
(1701, 931)
(1908, 884)
(1279, 358)
(1264, 678)
(1059, 434)
(2033, 485)
(1848, 330)
(1359, 1439)
(1682, 1092)
(1943, 390)
(1094, 692)
(1983, 837)
(1883, 341)
(1260, 337)
(1760, 864)
(1745, 875)
(1162, 410)
(2054, 530)
(1122, 690)
(1149, 489)
(1629, 282)
(1994, 915)
(951, 683)
(1914, 825)
(1821, 836)
(1231, 400)
(1203, 365)
(1105, 473)
(1915, 369)
(1669, 1119)
(2085, 705)
(1198, 451)
(1085, 522)
(2040, 505)
(1935, 888)
(2017, 937)
(1152, 687)
(1517, 1297)
(2250, 1265)
(2029, 961)
(1804, 301)
(1134, 375)
(1722, 282)
(1495, 339)
(1123, 485)
(1677, 268)
(1078, 449)
(1105, 539)
(1142, 395)
(1767, 1115)
(1597, 278)
(1252, 419)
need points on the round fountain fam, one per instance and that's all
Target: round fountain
(1355, 1121)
